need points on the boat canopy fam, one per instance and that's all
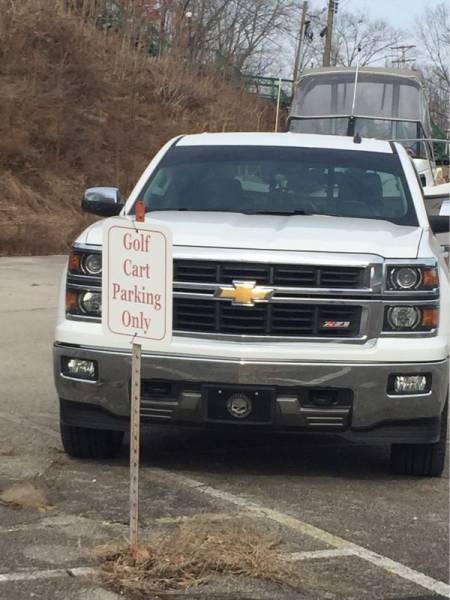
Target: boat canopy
(392, 94)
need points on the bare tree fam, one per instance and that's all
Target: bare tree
(373, 38)
(227, 33)
(433, 31)
(351, 31)
(433, 34)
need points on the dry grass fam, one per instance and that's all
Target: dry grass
(191, 555)
(79, 108)
(25, 495)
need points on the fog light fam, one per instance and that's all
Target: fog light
(79, 368)
(411, 384)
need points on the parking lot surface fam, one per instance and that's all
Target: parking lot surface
(350, 528)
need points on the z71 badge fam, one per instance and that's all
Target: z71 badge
(335, 324)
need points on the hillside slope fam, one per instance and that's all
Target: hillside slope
(78, 109)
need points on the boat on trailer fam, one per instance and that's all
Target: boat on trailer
(374, 102)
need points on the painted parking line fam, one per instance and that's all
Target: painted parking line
(392, 566)
(319, 554)
(255, 509)
(46, 574)
(65, 520)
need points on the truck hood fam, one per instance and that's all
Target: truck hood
(315, 233)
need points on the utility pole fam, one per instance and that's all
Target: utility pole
(332, 8)
(403, 50)
(298, 54)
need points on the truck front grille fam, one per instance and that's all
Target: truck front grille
(301, 276)
(271, 319)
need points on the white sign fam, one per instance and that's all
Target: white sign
(137, 282)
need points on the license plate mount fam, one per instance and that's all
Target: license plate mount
(239, 404)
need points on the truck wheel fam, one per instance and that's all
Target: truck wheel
(81, 442)
(426, 460)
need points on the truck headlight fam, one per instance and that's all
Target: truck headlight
(408, 318)
(404, 278)
(81, 263)
(91, 303)
(403, 317)
(92, 264)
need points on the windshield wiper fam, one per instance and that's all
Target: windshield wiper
(281, 212)
(184, 209)
(245, 212)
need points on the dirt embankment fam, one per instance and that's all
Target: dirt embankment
(78, 108)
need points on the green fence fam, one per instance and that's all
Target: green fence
(441, 150)
(267, 87)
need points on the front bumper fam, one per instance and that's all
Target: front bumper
(372, 414)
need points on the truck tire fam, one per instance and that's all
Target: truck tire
(81, 442)
(426, 460)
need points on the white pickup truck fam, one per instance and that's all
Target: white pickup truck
(310, 295)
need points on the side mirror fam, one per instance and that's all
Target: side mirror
(439, 223)
(103, 201)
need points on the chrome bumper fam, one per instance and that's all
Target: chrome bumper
(372, 406)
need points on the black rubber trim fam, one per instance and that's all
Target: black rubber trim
(414, 431)
(393, 148)
(89, 416)
(428, 597)
(180, 137)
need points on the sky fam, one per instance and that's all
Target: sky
(399, 13)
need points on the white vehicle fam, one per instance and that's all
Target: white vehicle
(310, 295)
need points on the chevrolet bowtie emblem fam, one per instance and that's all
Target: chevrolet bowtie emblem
(245, 293)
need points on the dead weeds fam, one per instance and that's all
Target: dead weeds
(78, 109)
(25, 495)
(191, 555)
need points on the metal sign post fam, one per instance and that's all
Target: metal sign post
(135, 420)
(135, 435)
(136, 306)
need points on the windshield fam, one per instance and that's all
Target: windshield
(281, 180)
(382, 129)
(379, 95)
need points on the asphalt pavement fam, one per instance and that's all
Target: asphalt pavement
(351, 529)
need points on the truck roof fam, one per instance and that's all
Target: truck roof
(288, 139)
